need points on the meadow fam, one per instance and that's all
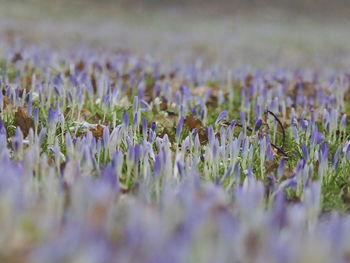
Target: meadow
(142, 141)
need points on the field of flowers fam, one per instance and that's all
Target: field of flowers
(107, 156)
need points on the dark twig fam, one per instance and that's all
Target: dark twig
(279, 149)
(280, 124)
(241, 126)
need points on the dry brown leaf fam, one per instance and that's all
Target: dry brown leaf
(172, 75)
(93, 83)
(80, 65)
(109, 66)
(347, 94)
(171, 136)
(309, 89)
(23, 120)
(126, 77)
(98, 214)
(346, 193)
(270, 166)
(203, 136)
(163, 105)
(27, 82)
(98, 131)
(201, 91)
(288, 172)
(16, 57)
(7, 101)
(249, 80)
(193, 123)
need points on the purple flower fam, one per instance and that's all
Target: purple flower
(222, 117)
(242, 118)
(52, 117)
(258, 124)
(17, 142)
(304, 124)
(125, 118)
(211, 135)
(136, 118)
(1, 100)
(281, 167)
(335, 157)
(179, 128)
(305, 151)
(233, 124)
(180, 168)
(135, 104)
(153, 126)
(343, 122)
(226, 174)
(42, 136)
(157, 165)
(105, 137)
(137, 153)
(2, 127)
(324, 151)
(144, 127)
(347, 153)
(144, 106)
(237, 172)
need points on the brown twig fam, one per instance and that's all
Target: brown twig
(280, 124)
(278, 148)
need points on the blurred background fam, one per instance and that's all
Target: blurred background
(237, 34)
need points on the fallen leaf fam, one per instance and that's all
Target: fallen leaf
(98, 214)
(125, 77)
(27, 82)
(16, 57)
(109, 66)
(270, 166)
(203, 136)
(193, 123)
(249, 80)
(346, 197)
(23, 120)
(288, 173)
(347, 94)
(94, 83)
(97, 132)
(171, 135)
(80, 65)
(7, 101)
(163, 105)
(201, 91)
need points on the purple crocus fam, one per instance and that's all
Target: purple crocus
(258, 124)
(324, 151)
(242, 118)
(281, 167)
(157, 165)
(125, 118)
(52, 117)
(144, 127)
(305, 151)
(222, 117)
(179, 128)
(347, 153)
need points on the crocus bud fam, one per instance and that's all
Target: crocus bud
(258, 124)
(179, 128)
(305, 151)
(125, 119)
(222, 117)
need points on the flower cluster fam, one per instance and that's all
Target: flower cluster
(116, 158)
